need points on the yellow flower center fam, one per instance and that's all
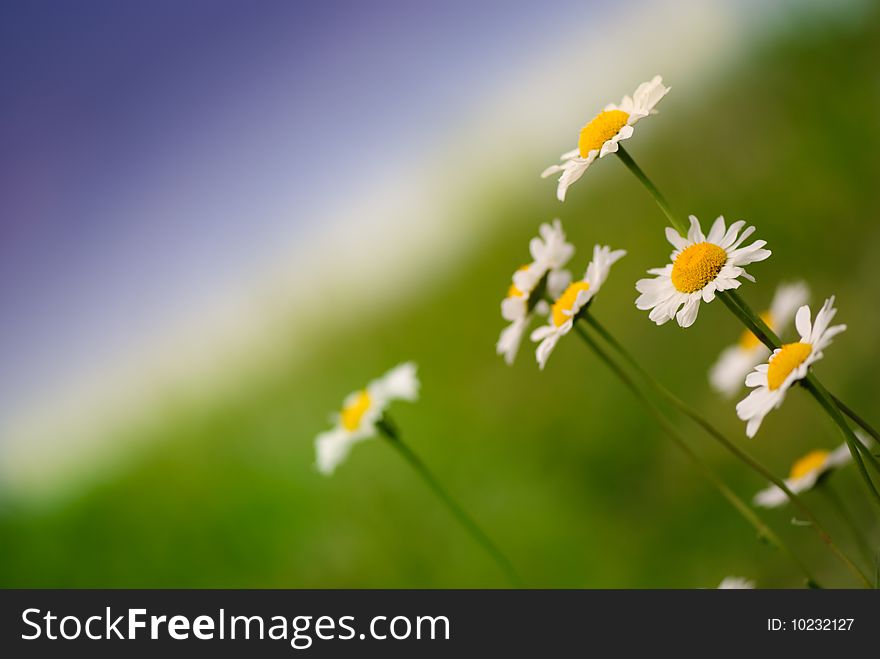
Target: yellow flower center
(749, 341)
(810, 462)
(696, 266)
(790, 356)
(602, 128)
(566, 302)
(353, 412)
(513, 291)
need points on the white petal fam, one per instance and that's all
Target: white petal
(716, 233)
(400, 383)
(331, 448)
(695, 233)
(510, 339)
(772, 497)
(542, 354)
(802, 323)
(675, 238)
(736, 583)
(688, 313)
(786, 301)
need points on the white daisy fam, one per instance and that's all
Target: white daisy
(787, 365)
(550, 252)
(573, 299)
(735, 362)
(700, 266)
(805, 474)
(361, 410)
(601, 135)
(736, 583)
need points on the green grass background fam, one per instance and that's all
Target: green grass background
(561, 467)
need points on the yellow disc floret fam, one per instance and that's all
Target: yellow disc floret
(749, 341)
(602, 128)
(696, 266)
(566, 301)
(353, 412)
(789, 357)
(810, 462)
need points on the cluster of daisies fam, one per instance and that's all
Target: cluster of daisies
(544, 301)
(700, 266)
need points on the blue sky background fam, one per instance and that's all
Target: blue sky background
(153, 151)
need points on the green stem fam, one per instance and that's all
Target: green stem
(747, 513)
(738, 453)
(821, 394)
(734, 302)
(868, 428)
(652, 189)
(393, 436)
(857, 533)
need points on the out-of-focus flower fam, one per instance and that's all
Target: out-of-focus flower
(787, 365)
(805, 474)
(550, 252)
(735, 362)
(602, 134)
(361, 411)
(736, 583)
(573, 299)
(700, 266)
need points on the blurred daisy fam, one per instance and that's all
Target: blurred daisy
(700, 266)
(573, 299)
(805, 474)
(787, 365)
(361, 411)
(550, 252)
(735, 362)
(736, 583)
(601, 135)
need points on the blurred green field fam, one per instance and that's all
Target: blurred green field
(564, 470)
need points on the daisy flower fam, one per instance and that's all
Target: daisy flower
(787, 365)
(736, 583)
(550, 252)
(573, 299)
(361, 411)
(735, 362)
(806, 474)
(601, 135)
(700, 266)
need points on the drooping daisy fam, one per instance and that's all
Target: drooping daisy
(805, 474)
(573, 299)
(736, 583)
(360, 413)
(787, 365)
(735, 362)
(701, 265)
(550, 252)
(601, 135)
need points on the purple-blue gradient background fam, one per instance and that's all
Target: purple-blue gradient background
(150, 152)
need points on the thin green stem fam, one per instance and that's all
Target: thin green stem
(652, 189)
(868, 428)
(732, 448)
(857, 532)
(866, 453)
(753, 322)
(390, 431)
(821, 394)
(747, 513)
